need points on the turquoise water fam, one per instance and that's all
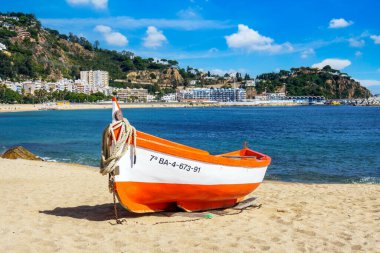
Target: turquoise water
(307, 144)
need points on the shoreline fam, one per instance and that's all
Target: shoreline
(40, 107)
(46, 215)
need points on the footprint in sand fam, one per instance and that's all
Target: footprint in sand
(265, 248)
(310, 233)
(338, 243)
(234, 244)
(281, 221)
(356, 247)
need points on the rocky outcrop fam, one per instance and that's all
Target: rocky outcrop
(348, 88)
(169, 77)
(304, 81)
(20, 152)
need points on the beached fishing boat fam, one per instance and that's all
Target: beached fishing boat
(152, 174)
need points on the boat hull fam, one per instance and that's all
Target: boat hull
(159, 181)
(153, 197)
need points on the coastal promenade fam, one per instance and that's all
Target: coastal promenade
(84, 106)
(36, 107)
(107, 105)
(56, 207)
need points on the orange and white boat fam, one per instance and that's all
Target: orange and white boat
(164, 174)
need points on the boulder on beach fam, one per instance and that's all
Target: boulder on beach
(20, 152)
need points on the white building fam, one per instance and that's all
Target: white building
(150, 98)
(2, 47)
(250, 83)
(276, 95)
(15, 86)
(133, 94)
(170, 97)
(29, 87)
(220, 95)
(65, 84)
(49, 86)
(81, 86)
(95, 78)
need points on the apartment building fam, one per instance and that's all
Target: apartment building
(97, 78)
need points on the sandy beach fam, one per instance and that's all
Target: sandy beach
(83, 106)
(55, 207)
(36, 107)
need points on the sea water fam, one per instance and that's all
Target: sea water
(307, 143)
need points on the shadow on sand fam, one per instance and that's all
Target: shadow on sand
(104, 212)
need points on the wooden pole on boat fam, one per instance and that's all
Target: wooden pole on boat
(111, 184)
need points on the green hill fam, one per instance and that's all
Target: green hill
(34, 52)
(326, 82)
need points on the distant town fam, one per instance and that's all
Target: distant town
(97, 81)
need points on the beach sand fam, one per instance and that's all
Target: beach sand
(36, 107)
(83, 106)
(54, 207)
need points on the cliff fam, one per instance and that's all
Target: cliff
(165, 78)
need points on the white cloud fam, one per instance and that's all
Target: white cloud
(222, 72)
(188, 13)
(116, 39)
(103, 29)
(124, 22)
(376, 38)
(112, 38)
(250, 40)
(97, 4)
(307, 52)
(339, 23)
(356, 42)
(358, 54)
(334, 63)
(154, 38)
(369, 83)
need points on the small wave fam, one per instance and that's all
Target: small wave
(366, 180)
(48, 159)
(3, 149)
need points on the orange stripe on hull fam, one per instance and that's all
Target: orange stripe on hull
(152, 197)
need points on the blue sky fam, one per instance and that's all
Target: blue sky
(227, 36)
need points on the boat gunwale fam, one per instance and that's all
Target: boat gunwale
(157, 144)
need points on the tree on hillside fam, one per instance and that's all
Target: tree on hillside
(9, 96)
(327, 68)
(127, 65)
(238, 77)
(172, 63)
(139, 63)
(96, 44)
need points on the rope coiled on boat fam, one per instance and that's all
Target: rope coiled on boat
(114, 148)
